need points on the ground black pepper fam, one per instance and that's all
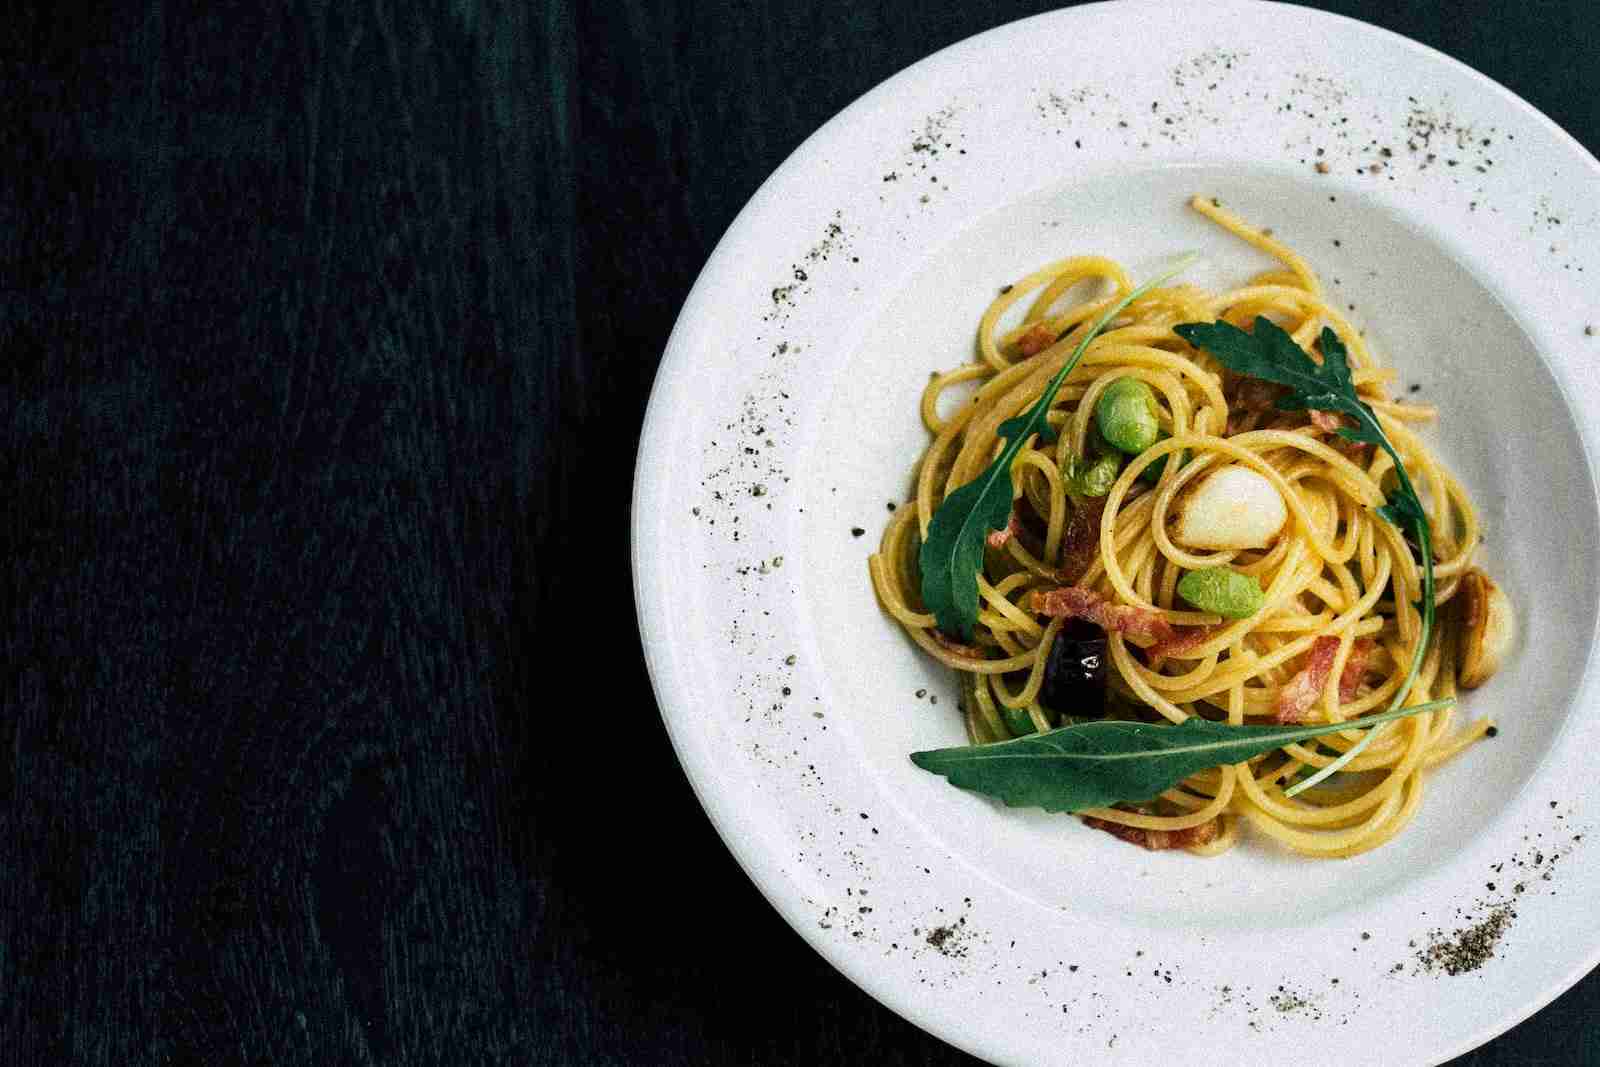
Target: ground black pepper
(1469, 947)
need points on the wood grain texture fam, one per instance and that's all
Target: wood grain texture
(327, 333)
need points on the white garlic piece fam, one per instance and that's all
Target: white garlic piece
(1234, 507)
(1488, 628)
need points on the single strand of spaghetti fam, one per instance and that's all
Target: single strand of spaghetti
(937, 385)
(899, 550)
(1041, 721)
(1444, 685)
(1470, 734)
(1275, 277)
(890, 592)
(1254, 236)
(1443, 720)
(1407, 582)
(1367, 553)
(1227, 837)
(1290, 624)
(1467, 541)
(989, 715)
(1055, 507)
(932, 647)
(1167, 586)
(1404, 412)
(1139, 564)
(889, 597)
(1372, 377)
(1166, 822)
(1032, 483)
(1011, 583)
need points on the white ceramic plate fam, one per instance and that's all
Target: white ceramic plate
(1463, 228)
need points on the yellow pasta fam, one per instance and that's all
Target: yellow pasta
(1336, 629)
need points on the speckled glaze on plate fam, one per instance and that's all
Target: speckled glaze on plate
(1460, 227)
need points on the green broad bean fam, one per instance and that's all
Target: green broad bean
(1095, 479)
(1127, 415)
(1018, 721)
(1222, 591)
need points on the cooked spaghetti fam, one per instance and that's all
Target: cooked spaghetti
(1334, 627)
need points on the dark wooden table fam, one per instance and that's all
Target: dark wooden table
(326, 336)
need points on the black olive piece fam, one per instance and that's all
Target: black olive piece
(1075, 671)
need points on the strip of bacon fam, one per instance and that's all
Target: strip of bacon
(1080, 541)
(1076, 603)
(1355, 668)
(1157, 840)
(1253, 394)
(1300, 692)
(1186, 641)
(1356, 452)
(1326, 421)
(1036, 340)
(998, 538)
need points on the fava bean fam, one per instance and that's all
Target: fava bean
(1095, 479)
(1222, 591)
(1018, 721)
(1127, 415)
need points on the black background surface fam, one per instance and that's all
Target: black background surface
(327, 331)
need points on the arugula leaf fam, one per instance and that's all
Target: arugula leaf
(1269, 353)
(1096, 764)
(952, 552)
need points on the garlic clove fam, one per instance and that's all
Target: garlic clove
(1488, 628)
(1234, 507)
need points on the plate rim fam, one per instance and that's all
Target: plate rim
(647, 576)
